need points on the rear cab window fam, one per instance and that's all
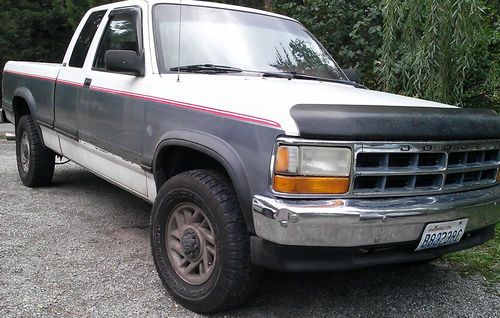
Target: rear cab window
(85, 38)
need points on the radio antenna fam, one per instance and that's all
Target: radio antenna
(179, 49)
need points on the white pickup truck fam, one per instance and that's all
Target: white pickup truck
(255, 148)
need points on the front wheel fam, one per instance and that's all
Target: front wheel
(35, 162)
(200, 243)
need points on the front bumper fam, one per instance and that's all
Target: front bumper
(365, 222)
(318, 259)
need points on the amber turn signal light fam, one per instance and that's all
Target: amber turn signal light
(282, 159)
(310, 185)
(498, 176)
(287, 159)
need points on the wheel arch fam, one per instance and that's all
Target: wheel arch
(23, 103)
(208, 147)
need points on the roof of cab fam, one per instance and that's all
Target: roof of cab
(192, 3)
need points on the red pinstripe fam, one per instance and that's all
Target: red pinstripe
(210, 110)
(60, 81)
(32, 76)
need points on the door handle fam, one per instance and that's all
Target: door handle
(87, 82)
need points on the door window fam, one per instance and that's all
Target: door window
(121, 33)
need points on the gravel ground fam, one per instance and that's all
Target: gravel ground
(81, 249)
(6, 128)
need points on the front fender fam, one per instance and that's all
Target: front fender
(220, 151)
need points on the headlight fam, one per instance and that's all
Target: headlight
(312, 170)
(325, 161)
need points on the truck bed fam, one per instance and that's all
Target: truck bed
(32, 81)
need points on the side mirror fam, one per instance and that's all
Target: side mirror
(124, 61)
(352, 75)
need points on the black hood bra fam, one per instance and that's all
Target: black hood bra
(395, 123)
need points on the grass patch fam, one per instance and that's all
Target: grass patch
(483, 259)
(2, 135)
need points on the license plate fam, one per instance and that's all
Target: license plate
(441, 234)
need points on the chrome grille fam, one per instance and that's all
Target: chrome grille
(421, 168)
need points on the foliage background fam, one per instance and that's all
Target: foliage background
(443, 50)
(39, 31)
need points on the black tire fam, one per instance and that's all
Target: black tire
(38, 170)
(233, 278)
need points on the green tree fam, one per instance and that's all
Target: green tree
(39, 30)
(32, 30)
(350, 30)
(444, 50)
(482, 86)
(430, 46)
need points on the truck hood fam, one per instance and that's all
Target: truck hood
(395, 123)
(338, 111)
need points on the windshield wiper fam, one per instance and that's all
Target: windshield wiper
(278, 75)
(207, 68)
(295, 75)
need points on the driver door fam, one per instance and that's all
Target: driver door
(111, 110)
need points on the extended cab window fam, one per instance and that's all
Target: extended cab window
(121, 33)
(85, 39)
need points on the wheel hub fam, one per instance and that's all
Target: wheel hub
(191, 245)
(25, 152)
(190, 242)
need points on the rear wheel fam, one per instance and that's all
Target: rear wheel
(200, 243)
(35, 162)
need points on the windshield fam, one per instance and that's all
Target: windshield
(247, 41)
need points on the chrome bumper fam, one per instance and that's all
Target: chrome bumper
(364, 222)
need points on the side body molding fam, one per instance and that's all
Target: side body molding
(221, 152)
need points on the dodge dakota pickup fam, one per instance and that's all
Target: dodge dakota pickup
(255, 148)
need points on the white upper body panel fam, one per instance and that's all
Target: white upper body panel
(48, 71)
